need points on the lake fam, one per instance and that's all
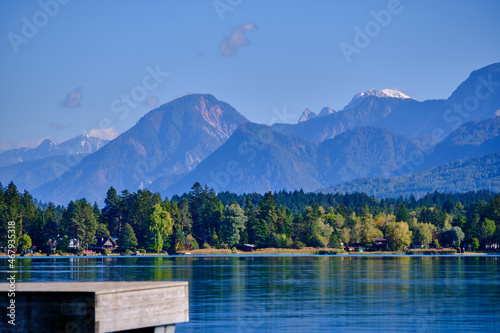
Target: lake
(308, 293)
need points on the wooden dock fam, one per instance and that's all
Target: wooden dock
(97, 306)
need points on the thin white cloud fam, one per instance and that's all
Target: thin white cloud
(152, 101)
(104, 133)
(73, 99)
(237, 39)
(6, 145)
(58, 126)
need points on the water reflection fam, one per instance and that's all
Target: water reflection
(308, 293)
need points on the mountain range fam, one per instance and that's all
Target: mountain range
(30, 168)
(381, 135)
(80, 145)
(162, 147)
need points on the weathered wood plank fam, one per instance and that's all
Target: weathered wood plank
(97, 306)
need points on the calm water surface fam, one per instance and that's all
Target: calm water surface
(308, 293)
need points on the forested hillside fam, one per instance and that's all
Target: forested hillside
(460, 176)
(200, 218)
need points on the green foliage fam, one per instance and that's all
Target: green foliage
(191, 243)
(233, 224)
(160, 227)
(102, 231)
(24, 242)
(475, 244)
(127, 239)
(472, 174)
(334, 242)
(402, 214)
(206, 245)
(111, 212)
(281, 219)
(422, 233)
(79, 222)
(487, 230)
(398, 235)
(282, 241)
(298, 245)
(436, 243)
(452, 237)
(63, 244)
(368, 231)
(206, 211)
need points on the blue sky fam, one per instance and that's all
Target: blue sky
(68, 69)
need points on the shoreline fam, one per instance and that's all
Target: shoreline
(259, 253)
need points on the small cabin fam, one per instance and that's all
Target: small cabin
(353, 247)
(103, 243)
(380, 243)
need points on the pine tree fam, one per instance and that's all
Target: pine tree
(402, 214)
(128, 238)
(110, 214)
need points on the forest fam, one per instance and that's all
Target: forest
(144, 221)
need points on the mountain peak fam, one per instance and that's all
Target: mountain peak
(384, 93)
(326, 111)
(46, 144)
(306, 115)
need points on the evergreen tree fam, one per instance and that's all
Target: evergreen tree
(102, 231)
(110, 214)
(252, 221)
(10, 212)
(28, 212)
(140, 210)
(80, 223)
(37, 230)
(51, 224)
(206, 211)
(266, 211)
(402, 213)
(128, 238)
(185, 215)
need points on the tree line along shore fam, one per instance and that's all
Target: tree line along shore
(285, 222)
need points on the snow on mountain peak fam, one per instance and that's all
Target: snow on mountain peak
(385, 93)
(382, 93)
